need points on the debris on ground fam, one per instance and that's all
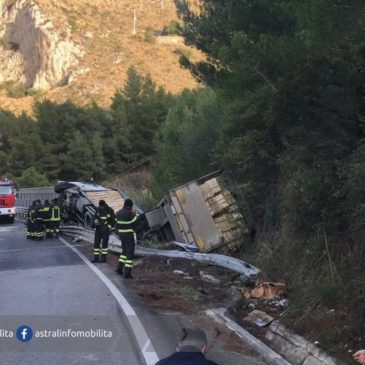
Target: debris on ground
(180, 272)
(182, 285)
(268, 290)
(281, 304)
(245, 292)
(157, 285)
(209, 278)
(259, 318)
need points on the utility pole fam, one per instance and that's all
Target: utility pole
(134, 22)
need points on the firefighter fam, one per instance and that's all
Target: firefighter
(104, 223)
(55, 217)
(126, 221)
(38, 221)
(46, 218)
(30, 221)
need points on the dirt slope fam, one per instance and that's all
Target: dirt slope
(104, 30)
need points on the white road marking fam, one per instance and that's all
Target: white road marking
(34, 248)
(148, 352)
(9, 229)
(145, 347)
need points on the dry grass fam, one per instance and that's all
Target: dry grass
(104, 29)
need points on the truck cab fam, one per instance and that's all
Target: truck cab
(7, 200)
(79, 200)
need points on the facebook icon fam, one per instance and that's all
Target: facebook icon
(24, 333)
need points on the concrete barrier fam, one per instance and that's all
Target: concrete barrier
(295, 348)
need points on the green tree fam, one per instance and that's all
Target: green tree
(290, 75)
(139, 110)
(4, 163)
(77, 163)
(133, 86)
(98, 160)
(30, 178)
(185, 143)
(120, 141)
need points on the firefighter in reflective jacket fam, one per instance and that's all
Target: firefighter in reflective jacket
(30, 221)
(126, 221)
(55, 217)
(104, 223)
(38, 221)
(46, 218)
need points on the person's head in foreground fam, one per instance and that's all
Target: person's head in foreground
(190, 349)
(192, 340)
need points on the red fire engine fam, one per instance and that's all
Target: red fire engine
(7, 199)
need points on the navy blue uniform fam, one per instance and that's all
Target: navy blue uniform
(188, 355)
(126, 222)
(104, 223)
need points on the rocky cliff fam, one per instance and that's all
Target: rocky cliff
(80, 50)
(33, 52)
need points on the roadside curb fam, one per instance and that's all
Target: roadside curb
(263, 352)
(295, 348)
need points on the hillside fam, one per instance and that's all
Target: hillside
(81, 50)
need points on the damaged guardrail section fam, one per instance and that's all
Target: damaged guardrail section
(227, 262)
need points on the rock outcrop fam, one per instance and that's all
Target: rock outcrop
(32, 51)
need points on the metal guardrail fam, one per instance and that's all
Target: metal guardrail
(227, 262)
(21, 212)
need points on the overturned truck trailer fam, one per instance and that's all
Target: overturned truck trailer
(80, 199)
(202, 213)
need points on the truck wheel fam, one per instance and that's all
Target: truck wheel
(88, 220)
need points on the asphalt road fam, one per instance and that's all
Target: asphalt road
(46, 286)
(72, 308)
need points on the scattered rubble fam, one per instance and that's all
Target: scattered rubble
(259, 318)
(268, 290)
(180, 272)
(209, 278)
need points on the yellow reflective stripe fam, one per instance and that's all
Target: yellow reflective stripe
(127, 222)
(55, 214)
(126, 230)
